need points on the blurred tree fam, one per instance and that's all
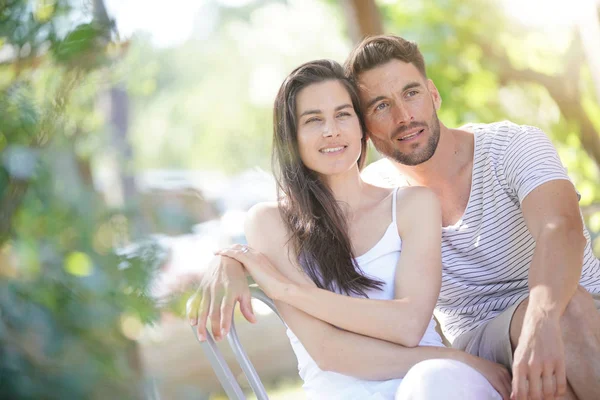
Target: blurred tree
(70, 307)
(489, 67)
(206, 104)
(363, 19)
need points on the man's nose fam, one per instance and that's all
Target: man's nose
(401, 114)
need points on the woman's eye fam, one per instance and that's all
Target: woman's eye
(314, 119)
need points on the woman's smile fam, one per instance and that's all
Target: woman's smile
(333, 150)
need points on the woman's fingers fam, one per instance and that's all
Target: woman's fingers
(192, 306)
(246, 307)
(203, 315)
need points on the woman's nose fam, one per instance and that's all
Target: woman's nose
(330, 130)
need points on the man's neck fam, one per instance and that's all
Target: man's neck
(454, 152)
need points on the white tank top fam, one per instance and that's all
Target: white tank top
(379, 262)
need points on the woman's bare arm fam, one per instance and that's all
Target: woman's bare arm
(402, 320)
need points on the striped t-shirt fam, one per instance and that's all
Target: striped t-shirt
(486, 255)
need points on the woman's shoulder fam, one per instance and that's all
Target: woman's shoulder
(265, 215)
(265, 230)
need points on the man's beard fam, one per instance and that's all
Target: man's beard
(389, 150)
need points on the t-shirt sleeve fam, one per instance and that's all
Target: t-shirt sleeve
(531, 160)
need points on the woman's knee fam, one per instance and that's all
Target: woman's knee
(444, 379)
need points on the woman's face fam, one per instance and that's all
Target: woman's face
(329, 133)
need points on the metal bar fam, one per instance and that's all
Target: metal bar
(246, 364)
(219, 365)
(240, 354)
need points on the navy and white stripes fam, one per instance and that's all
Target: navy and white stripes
(486, 255)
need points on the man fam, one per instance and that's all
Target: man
(518, 268)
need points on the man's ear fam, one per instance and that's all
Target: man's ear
(437, 99)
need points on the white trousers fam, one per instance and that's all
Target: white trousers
(445, 379)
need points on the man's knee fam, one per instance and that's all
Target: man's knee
(575, 315)
(579, 309)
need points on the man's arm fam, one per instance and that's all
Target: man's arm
(549, 203)
(552, 215)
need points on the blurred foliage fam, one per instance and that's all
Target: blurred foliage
(70, 305)
(212, 96)
(214, 92)
(488, 66)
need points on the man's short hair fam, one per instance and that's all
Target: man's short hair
(374, 51)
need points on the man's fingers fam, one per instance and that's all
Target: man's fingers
(246, 307)
(560, 375)
(203, 315)
(520, 385)
(548, 383)
(535, 384)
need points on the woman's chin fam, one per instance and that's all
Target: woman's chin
(338, 169)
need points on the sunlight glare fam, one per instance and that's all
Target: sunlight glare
(555, 13)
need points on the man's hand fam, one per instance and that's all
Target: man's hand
(223, 283)
(539, 361)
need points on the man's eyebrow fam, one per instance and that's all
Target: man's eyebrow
(373, 101)
(338, 108)
(409, 85)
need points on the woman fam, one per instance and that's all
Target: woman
(328, 253)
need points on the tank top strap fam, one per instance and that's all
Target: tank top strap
(394, 195)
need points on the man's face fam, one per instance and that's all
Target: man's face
(400, 112)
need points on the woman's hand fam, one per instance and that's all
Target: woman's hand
(496, 374)
(222, 285)
(270, 280)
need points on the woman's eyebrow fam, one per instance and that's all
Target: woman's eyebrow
(316, 111)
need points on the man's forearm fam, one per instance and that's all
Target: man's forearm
(556, 268)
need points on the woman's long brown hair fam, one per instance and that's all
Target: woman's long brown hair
(319, 232)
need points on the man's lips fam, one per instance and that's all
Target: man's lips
(412, 134)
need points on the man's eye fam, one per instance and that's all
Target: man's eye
(344, 114)
(412, 93)
(381, 106)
